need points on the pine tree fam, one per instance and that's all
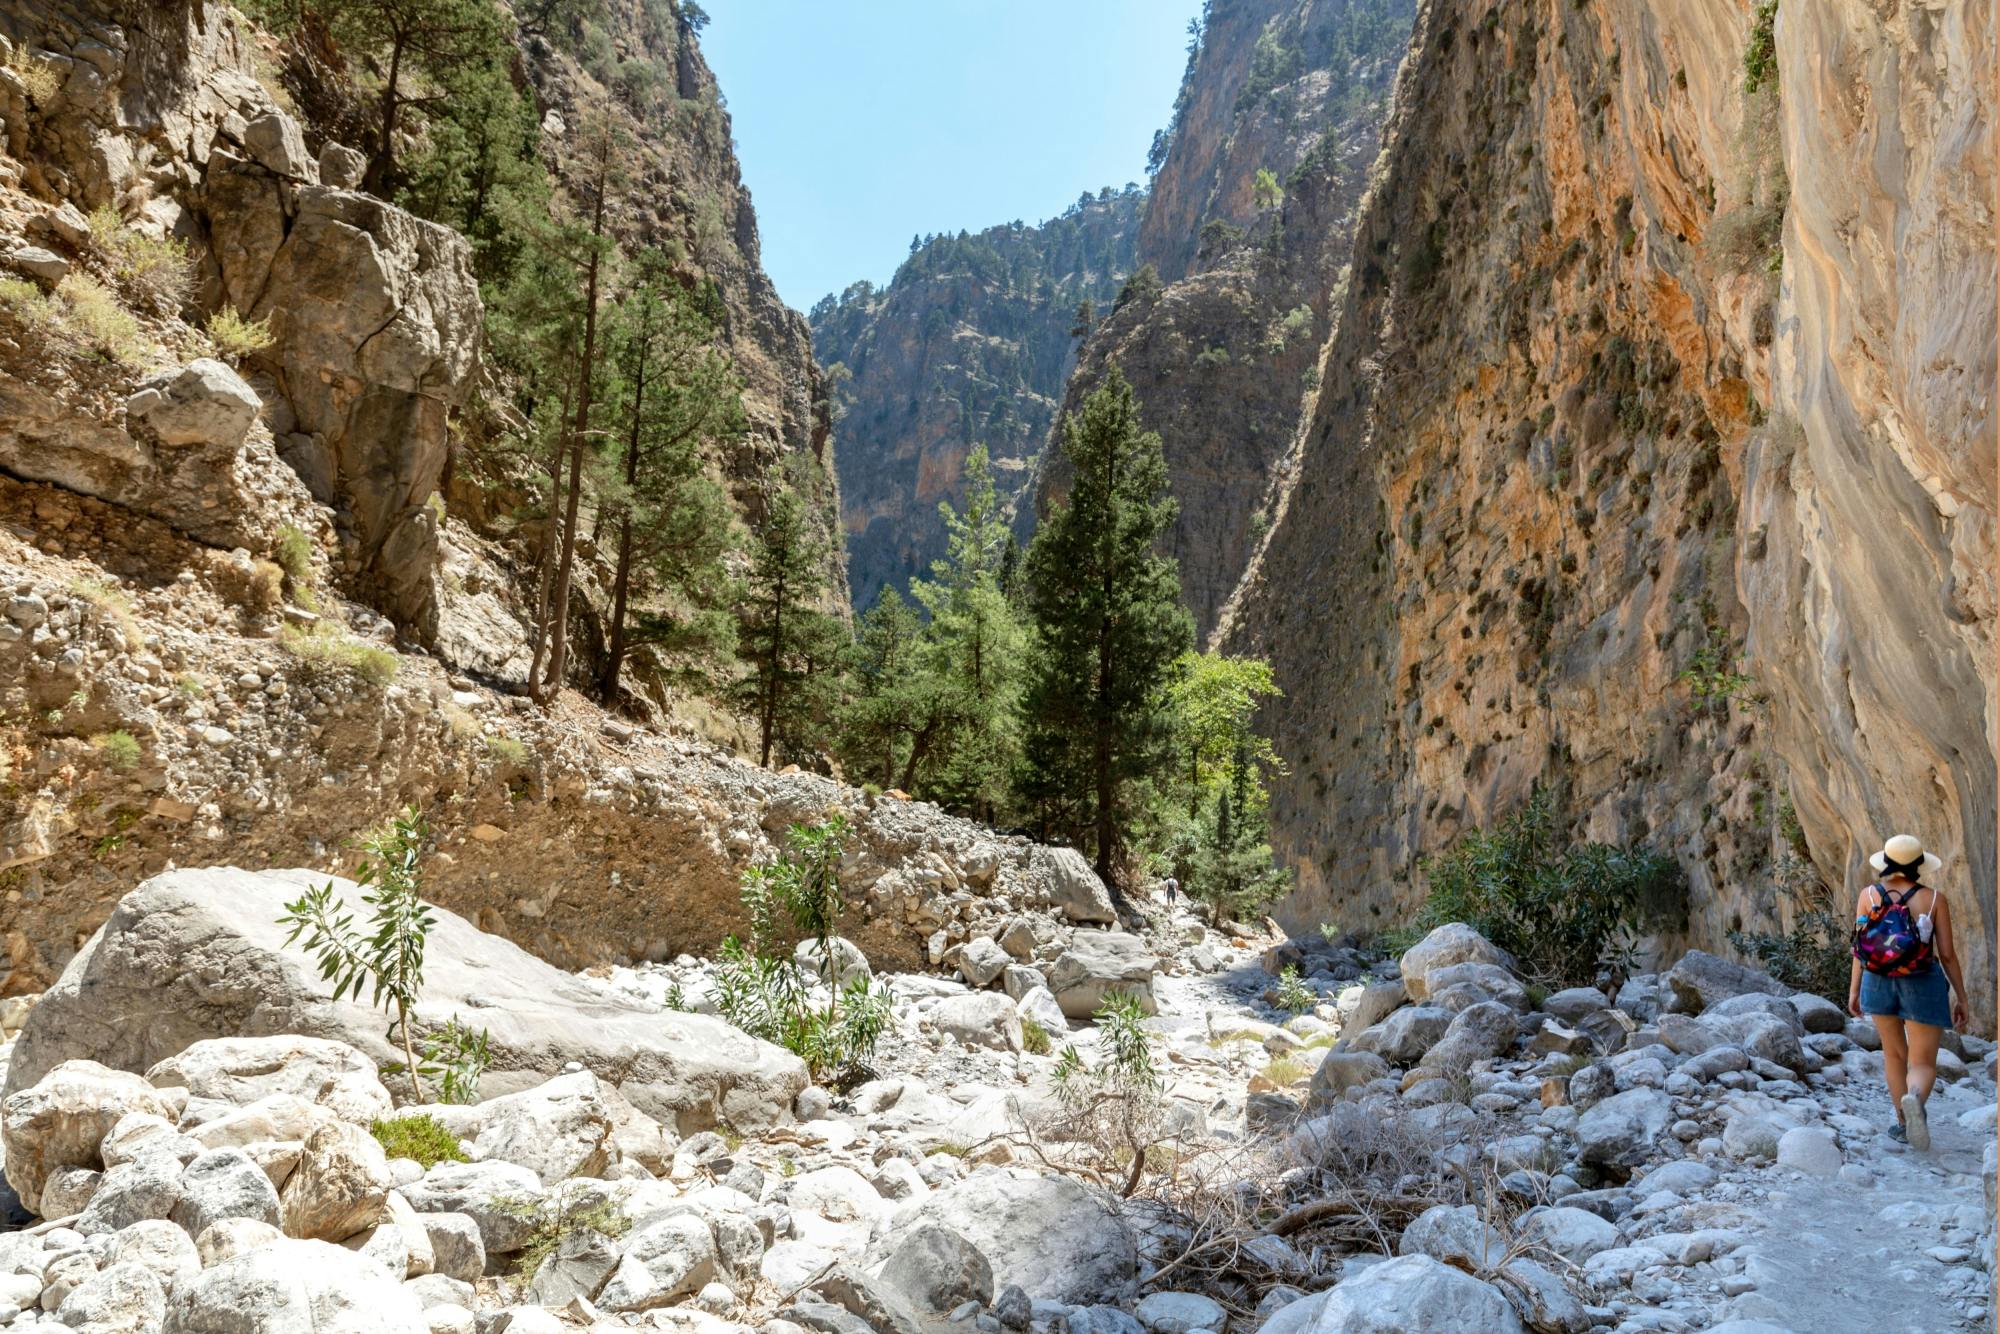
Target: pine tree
(534, 330)
(1143, 287)
(1214, 699)
(795, 650)
(1086, 315)
(419, 49)
(875, 723)
(972, 652)
(479, 168)
(598, 256)
(1219, 847)
(1109, 625)
(678, 396)
(1229, 865)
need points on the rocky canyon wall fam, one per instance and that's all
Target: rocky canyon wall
(684, 190)
(178, 116)
(970, 344)
(1222, 356)
(1652, 458)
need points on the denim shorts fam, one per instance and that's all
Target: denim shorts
(1920, 998)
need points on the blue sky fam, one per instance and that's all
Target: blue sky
(861, 122)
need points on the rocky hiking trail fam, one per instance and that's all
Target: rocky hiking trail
(1837, 1254)
(1427, 1144)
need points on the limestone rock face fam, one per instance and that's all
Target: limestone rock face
(557, 1130)
(340, 1187)
(1630, 469)
(1068, 884)
(59, 1121)
(244, 1070)
(376, 321)
(203, 403)
(1056, 1238)
(1701, 981)
(1622, 1129)
(185, 452)
(1411, 1292)
(983, 1019)
(293, 1287)
(1098, 964)
(375, 315)
(224, 1184)
(190, 955)
(1447, 946)
(1223, 357)
(970, 329)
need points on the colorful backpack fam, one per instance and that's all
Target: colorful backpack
(1887, 940)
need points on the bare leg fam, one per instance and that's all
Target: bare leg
(1921, 1062)
(1895, 1056)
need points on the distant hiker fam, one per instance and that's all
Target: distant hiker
(1903, 954)
(1172, 886)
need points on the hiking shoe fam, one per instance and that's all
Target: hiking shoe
(1914, 1124)
(1897, 1133)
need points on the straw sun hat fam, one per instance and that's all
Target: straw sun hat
(1905, 850)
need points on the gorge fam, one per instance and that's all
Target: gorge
(1287, 749)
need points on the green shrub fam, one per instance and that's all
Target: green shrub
(1294, 996)
(114, 605)
(1559, 910)
(456, 1057)
(1395, 941)
(759, 985)
(293, 552)
(1760, 53)
(1117, 1104)
(1284, 1071)
(1711, 675)
(508, 751)
(235, 337)
(419, 1136)
(120, 749)
(1034, 1038)
(28, 301)
(153, 269)
(92, 313)
(1265, 191)
(41, 78)
(389, 959)
(572, 1208)
(324, 645)
(1813, 954)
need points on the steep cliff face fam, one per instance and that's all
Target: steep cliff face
(969, 344)
(1627, 474)
(686, 189)
(1268, 81)
(151, 118)
(170, 114)
(1294, 90)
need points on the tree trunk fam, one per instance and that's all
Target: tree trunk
(384, 162)
(771, 676)
(1107, 829)
(621, 584)
(559, 644)
(920, 746)
(545, 558)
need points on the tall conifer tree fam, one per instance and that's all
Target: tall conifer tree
(1108, 627)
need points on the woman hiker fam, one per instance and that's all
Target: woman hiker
(1903, 956)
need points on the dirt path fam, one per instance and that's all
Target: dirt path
(1887, 1247)
(1839, 1254)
